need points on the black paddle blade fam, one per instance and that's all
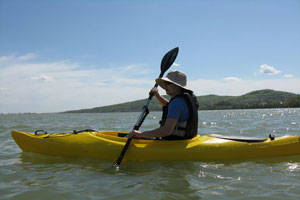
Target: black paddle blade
(168, 60)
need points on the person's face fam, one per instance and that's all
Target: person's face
(171, 89)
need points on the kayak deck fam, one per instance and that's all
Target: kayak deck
(108, 145)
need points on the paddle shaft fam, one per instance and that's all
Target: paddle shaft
(137, 126)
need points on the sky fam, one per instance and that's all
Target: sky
(58, 55)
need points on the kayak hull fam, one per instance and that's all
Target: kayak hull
(108, 145)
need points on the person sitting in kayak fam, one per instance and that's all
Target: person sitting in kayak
(180, 114)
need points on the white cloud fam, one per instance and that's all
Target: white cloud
(17, 59)
(288, 76)
(4, 59)
(43, 78)
(31, 86)
(269, 70)
(175, 64)
(3, 89)
(232, 79)
(29, 56)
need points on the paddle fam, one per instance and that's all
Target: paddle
(166, 63)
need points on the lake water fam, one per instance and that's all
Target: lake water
(33, 176)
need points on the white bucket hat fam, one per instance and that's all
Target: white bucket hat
(176, 77)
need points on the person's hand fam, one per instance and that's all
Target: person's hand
(133, 133)
(154, 91)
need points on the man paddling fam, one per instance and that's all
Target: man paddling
(180, 114)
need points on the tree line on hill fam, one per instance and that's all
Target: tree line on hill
(252, 100)
(257, 99)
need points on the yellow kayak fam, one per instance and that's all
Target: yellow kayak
(108, 145)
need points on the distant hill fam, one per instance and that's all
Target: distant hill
(257, 99)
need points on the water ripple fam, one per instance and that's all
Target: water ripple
(34, 176)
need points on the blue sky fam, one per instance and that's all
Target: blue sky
(59, 55)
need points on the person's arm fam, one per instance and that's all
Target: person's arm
(163, 131)
(162, 100)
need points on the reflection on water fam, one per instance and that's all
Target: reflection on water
(257, 123)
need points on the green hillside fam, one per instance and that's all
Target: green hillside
(256, 99)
